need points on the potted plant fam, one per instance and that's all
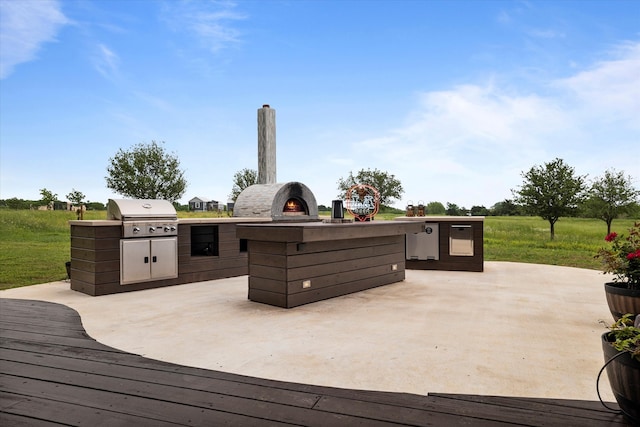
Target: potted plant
(621, 347)
(622, 259)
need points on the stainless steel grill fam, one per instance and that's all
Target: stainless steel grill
(149, 244)
(144, 218)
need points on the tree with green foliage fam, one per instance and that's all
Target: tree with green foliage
(76, 197)
(435, 208)
(479, 211)
(505, 208)
(15, 203)
(146, 171)
(610, 196)
(455, 210)
(241, 180)
(551, 191)
(387, 185)
(48, 197)
(95, 206)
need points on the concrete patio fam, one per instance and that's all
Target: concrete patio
(514, 330)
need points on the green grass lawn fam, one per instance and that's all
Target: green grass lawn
(34, 245)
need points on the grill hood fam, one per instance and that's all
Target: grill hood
(136, 209)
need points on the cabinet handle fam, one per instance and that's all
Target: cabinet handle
(154, 259)
(146, 260)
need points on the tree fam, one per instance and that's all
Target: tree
(435, 208)
(146, 171)
(387, 185)
(479, 211)
(551, 191)
(76, 198)
(95, 206)
(241, 180)
(611, 195)
(505, 208)
(48, 197)
(453, 209)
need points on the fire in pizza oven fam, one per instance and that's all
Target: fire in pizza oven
(293, 207)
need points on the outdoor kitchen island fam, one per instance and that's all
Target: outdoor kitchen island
(291, 264)
(199, 249)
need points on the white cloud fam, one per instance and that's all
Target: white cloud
(470, 143)
(610, 89)
(106, 61)
(24, 26)
(209, 21)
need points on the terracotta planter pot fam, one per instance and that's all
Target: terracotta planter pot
(624, 378)
(622, 300)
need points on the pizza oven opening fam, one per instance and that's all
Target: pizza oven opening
(294, 207)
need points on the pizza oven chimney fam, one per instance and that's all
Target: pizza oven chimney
(285, 201)
(266, 145)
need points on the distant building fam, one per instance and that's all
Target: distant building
(202, 204)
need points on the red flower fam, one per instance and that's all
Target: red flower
(633, 255)
(611, 237)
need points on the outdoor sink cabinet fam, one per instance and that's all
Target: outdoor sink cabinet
(453, 243)
(291, 264)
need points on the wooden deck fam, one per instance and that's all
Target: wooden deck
(53, 373)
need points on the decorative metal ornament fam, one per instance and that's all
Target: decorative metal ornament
(362, 202)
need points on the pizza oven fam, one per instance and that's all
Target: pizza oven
(289, 201)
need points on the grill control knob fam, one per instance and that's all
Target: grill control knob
(152, 229)
(173, 228)
(136, 230)
(166, 229)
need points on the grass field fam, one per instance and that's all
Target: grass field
(34, 245)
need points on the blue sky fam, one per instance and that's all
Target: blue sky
(455, 98)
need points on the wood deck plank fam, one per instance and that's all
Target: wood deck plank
(49, 410)
(53, 373)
(526, 410)
(136, 406)
(185, 381)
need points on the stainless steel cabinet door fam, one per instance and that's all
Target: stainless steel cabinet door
(135, 262)
(142, 260)
(164, 258)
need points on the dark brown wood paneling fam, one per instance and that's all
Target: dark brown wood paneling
(270, 260)
(98, 232)
(274, 273)
(96, 267)
(349, 265)
(275, 248)
(294, 260)
(210, 264)
(331, 268)
(297, 299)
(333, 279)
(271, 285)
(95, 260)
(94, 244)
(266, 297)
(93, 255)
(84, 287)
(317, 231)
